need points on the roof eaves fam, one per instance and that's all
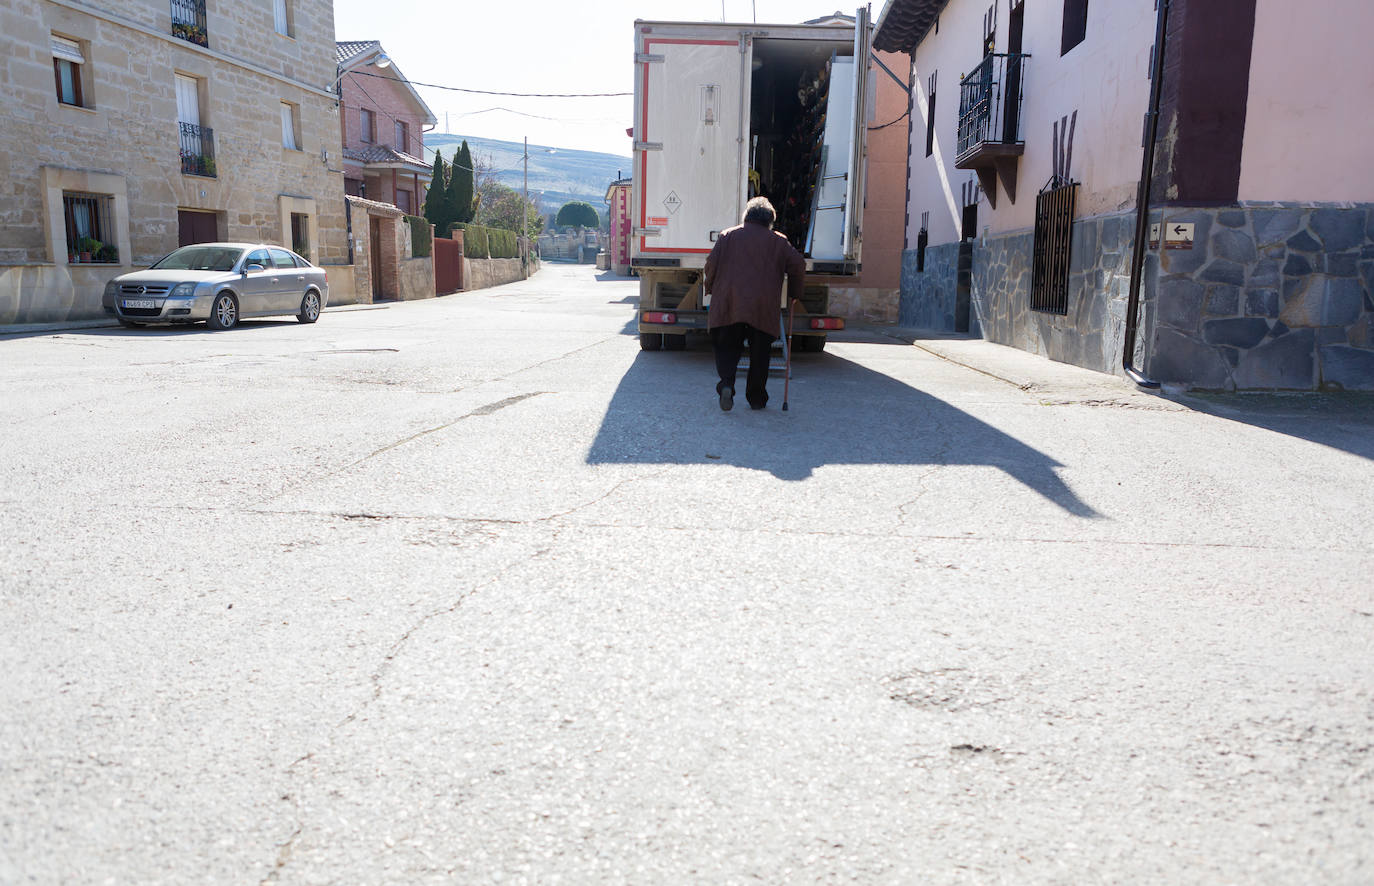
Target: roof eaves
(903, 24)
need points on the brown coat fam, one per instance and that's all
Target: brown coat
(744, 277)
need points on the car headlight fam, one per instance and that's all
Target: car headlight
(182, 290)
(111, 287)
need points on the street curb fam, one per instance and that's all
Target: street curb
(70, 325)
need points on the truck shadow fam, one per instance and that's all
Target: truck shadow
(664, 411)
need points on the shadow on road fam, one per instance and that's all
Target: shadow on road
(664, 411)
(1342, 421)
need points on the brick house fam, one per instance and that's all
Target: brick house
(382, 122)
(131, 127)
(1251, 263)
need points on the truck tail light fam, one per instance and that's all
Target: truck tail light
(827, 323)
(660, 317)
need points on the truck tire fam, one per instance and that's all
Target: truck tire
(811, 344)
(650, 341)
(674, 342)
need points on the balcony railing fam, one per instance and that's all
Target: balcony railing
(188, 21)
(197, 150)
(990, 110)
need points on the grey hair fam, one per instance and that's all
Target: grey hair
(760, 212)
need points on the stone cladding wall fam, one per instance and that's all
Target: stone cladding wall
(1272, 296)
(928, 297)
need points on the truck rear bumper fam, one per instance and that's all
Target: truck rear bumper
(682, 322)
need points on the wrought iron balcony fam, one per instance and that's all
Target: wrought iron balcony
(188, 21)
(197, 150)
(990, 120)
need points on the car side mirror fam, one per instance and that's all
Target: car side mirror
(253, 269)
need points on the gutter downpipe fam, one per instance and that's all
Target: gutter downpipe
(1142, 202)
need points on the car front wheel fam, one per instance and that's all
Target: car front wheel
(224, 313)
(310, 307)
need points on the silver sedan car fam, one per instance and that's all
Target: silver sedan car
(219, 283)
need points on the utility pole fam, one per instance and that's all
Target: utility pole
(525, 209)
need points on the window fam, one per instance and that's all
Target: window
(1075, 24)
(367, 126)
(922, 241)
(930, 118)
(67, 65)
(300, 235)
(258, 257)
(289, 134)
(188, 21)
(403, 200)
(282, 259)
(281, 17)
(402, 135)
(88, 219)
(1050, 255)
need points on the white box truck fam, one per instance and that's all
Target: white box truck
(725, 112)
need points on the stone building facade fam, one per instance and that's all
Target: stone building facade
(131, 126)
(1266, 284)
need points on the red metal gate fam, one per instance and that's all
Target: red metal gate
(448, 266)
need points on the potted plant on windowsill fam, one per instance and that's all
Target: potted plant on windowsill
(87, 247)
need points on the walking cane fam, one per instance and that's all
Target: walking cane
(787, 363)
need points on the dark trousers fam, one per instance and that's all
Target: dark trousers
(728, 342)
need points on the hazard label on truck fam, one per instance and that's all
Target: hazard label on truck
(672, 202)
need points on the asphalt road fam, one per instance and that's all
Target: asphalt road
(471, 590)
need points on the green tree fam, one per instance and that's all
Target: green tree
(460, 187)
(507, 209)
(434, 197)
(578, 214)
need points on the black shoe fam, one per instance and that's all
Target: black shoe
(727, 397)
(763, 405)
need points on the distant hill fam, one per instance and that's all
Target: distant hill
(561, 177)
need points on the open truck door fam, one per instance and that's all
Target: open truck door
(858, 159)
(690, 163)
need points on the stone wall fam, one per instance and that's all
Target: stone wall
(1271, 296)
(417, 277)
(1090, 333)
(483, 273)
(865, 304)
(929, 298)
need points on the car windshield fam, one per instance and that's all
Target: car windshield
(200, 258)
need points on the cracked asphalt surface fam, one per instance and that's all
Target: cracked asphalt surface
(472, 590)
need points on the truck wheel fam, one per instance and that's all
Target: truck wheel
(650, 341)
(812, 344)
(674, 342)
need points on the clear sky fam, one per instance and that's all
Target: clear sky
(538, 46)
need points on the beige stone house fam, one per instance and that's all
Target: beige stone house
(133, 126)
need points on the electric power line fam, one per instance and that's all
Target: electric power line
(490, 92)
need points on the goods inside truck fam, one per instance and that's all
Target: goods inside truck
(798, 154)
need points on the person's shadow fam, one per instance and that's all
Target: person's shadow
(663, 412)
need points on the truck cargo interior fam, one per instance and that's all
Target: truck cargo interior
(788, 98)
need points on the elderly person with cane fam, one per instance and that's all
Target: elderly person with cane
(744, 275)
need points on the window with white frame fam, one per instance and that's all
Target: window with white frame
(290, 127)
(68, 64)
(281, 17)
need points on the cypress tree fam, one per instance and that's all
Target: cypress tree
(461, 184)
(434, 197)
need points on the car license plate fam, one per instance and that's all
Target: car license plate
(139, 303)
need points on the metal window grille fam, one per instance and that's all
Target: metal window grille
(90, 231)
(188, 21)
(197, 150)
(1053, 237)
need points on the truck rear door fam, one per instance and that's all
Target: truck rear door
(858, 156)
(689, 143)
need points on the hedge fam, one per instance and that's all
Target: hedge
(421, 238)
(480, 241)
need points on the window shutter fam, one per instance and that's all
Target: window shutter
(68, 50)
